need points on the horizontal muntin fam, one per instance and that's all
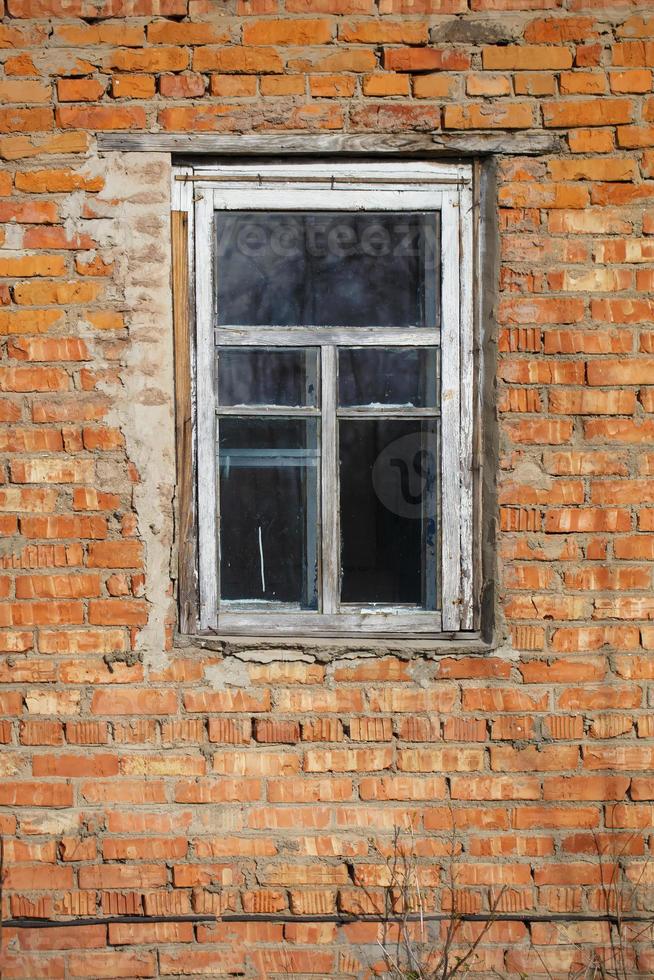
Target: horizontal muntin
(350, 412)
(308, 336)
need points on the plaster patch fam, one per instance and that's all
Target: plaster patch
(228, 673)
(145, 413)
(530, 474)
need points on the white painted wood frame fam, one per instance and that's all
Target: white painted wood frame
(349, 186)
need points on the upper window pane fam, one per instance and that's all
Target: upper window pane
(327, 268)
(267, 376)
(391, 376)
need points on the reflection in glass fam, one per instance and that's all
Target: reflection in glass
(388, 512)
(391, 376)
(273, 376)
(268, 472)
(330, 268)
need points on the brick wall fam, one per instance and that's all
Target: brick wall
(144, 775)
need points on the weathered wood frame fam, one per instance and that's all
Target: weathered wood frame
(475, 143)
(186, 536)
(392, 185)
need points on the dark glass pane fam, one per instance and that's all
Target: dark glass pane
(274, 376)
(268, 510)
(389, 535)
(370, 375)
(327, 269)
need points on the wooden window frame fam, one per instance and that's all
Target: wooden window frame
(200, 189)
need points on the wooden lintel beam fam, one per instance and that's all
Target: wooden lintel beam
(407, 144)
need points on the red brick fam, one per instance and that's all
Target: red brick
(287, 31)
(46, 292)
(227, 701)
(332, 86)
(587, 520)
(118, 612)
(424, 59)
(526, 57)
(187, 86)
(124, 791)
(241, 60)
(33, 794)
(121, 934)
(619, 430)
(501, 115)
(134, 702)
(108, 965)
(589, 402)
(199, 962)
(49, 612)
(123, 876)
(57, 586)
(75, 765)
(435, 86)
(60, 526)
(383, 32)
(596, 112)
(130, 86)
(582, 83)
(219, 791)
(558, 30)
(79, 89)
(268, 85)
(549, 431)
(153, 60)
(330, 6)
(100, 117)
(115, 554)
(53, 470)
(422, 6)
(593, 169)
(402, 788)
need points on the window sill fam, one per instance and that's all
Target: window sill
(336, 646)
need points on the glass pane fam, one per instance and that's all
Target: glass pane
(370, 375)
(268, 510)
(389, 534)
(327, 268)
(273, 376)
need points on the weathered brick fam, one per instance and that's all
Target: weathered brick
(287, 31)
(137, 702)
(132, 86)
(100, 117)
(596, 112)
(501, 115)
(526, 57)
(245, 60)
(415, 59)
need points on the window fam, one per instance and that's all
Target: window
(333, 396)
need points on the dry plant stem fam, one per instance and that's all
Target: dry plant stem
(422, 959)
(618, 894)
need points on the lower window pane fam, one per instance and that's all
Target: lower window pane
(389, 531)
(268, 472)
